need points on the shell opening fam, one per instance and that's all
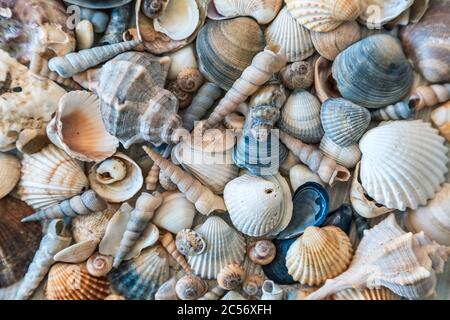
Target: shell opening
(111, 170)
(268, 191)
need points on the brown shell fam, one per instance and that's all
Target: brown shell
(92, 226)
(381, 293)
(73, 282)
(189, 80)
(184, 97)
(231, 277)
(427, 43)
(298, 75)
(324, 83)
(262, 252)
(18, 241)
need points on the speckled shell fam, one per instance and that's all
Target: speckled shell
(345, 156)
(18, 241)
(298, 75)
(9, 173)
(224, 246)
(49, 177)
(319, 254)
(376, 13)
(373, 72)
(323, 15)
(189, 242)
(231, 277)
(73, 282)
(262, 11)
(427, 42)
(300, 117)
(295, 39)
(225, 48)
(403, 163)
(92, 226)
(367, 294)
(140, 278)
(190, 287)
(343, 121)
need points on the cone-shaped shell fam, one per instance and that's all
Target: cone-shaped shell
(319, 254)
(323, 15)
(366, 294)
(262, 11)
(78, 129)
(403, 163)
(300, 117)
(225, 48)
(292, 37)
(49, 177)
(9, 173)
(376, 13)
(255, 205)
(140, 278)
(345, 156)
(343, 121)
(18, 241)
(73, 282)
(381, 78)
(434, 218)
(224, 246)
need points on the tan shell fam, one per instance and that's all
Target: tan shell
(231, 277)
(32, 140)
(298, 75)
(262, 11)
(190, 287)
(262, 252)
(99, 265)
(366, 294)
(175, 213)
(253, 284)
(9, 173)
(324, 83)
(441, 118)
(92, 226)
(319, 254)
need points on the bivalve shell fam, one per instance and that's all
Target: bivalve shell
(376, 13)
(262, 11)
(175, 213)
(9, 173)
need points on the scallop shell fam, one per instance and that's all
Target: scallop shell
(231, 277)
(225, 48)
(175, 213)
(224, 246)
(330, 44)
(285, 32)
(441, 118)
(190, 287)
(78, 129)
(345, 156)
(434, 218)
(18, 241)
(403, 163)
(376, 13)
(382, 78)
(9, 173)
(190, 243)
(49, 177)
(319, 254)
(258, 206)
(167, 290)
(73, 282)
(262, 11)
(140, 278)
(323, 15)
(300, 117)
(366, 294)
(122, 189)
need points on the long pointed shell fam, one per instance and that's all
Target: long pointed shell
(323, 15)
(441, 118)
(203, 198)
(9, 173)
(292, 37)
(49, 177)
(262, 11)
(224, 246)
(54, 241)
(262, 68)
(168, 242)
(74, 63)
(399, 111)
(151, 181)
(403, 163)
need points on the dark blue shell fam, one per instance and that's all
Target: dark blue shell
(361, 225)
(276, 270)
(311, 204)
(341, 218)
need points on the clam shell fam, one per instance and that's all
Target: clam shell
(276, 270)
(140, 278)
(319, 254)
(366, 294)
(78, 129)
(285, 32)
(76, 253)
(345, 156)
(382, 78)
(255, 205)
(225, 48)
(73, 282)
(441, 118)
(300, 117)
(121, 190)
(18, 241)
(167, 290)
(301, 174)
(175, 213)
(262, 11)
(49, 177)
(403, 163)
(323, 15)
(376, 13)
(434, 218)
(9, 173)
(224, 246)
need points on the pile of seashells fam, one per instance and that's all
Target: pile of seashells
(224, 149)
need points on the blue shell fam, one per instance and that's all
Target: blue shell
(118, 24)
(341, 218)
(311, 204)
(361, 225)
(260, 158)
(276, 270)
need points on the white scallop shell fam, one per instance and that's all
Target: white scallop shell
(379, 12)
(9, 173)
(403, 163)
(291, 36)
(49, 177)
(345, 156)
(175, 213)
(224, 246)
(262, 11)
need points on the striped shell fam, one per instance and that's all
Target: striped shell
(262, 11)
(345, 156)
(9, 173)
(289, 35)
(382, 293)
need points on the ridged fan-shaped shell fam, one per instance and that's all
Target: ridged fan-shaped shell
(366, 294)
(285, 32)
(9, 173)
(403, 163)
(49, 177)
(262, 11)
(224, 246)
